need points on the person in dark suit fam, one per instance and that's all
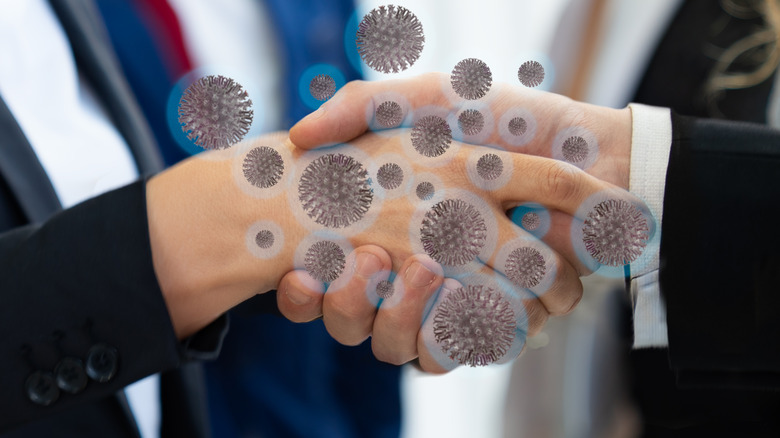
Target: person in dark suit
(718, 265)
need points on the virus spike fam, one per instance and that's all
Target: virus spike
(385, 289)
(525, 267)
(425, 190)
(389, 114)
(264, 239)
(325, 261)
(390, 39)
(453, 232)
(474, 325)
(530, 221)
(471, 122)
(215, 112)
(471, 79)
(531, 73)
(490, 166)
(615, 232)
(431, 136)
(517, 126)
(322, 87)
(575, 149)
(263, 167)
(335, 190)
(390, 176)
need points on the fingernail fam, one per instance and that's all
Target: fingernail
(297, 296)
(367, 264)
(418, 275)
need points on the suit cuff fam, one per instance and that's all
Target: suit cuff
(651, 141)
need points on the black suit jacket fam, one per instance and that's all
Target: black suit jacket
(80, 279)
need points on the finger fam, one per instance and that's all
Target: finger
(400, 317)
(349, 112)
(299, 296)
(350, 303)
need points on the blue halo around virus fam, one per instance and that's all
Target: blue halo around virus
(309, 74)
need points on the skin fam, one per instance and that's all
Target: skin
(198, 217)
(342, 118)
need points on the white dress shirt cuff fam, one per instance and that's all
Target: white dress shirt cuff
(651, 141)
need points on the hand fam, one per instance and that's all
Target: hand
(201, 213)
(549, 120)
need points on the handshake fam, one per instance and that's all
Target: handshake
(385, 213)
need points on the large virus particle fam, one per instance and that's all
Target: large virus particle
(531, 221)
(264, 239)
(325, 261)
(453, 232)
(431, 136)
(490, 166)
(335, 190)
(215, 112)
(615, 232)
(471, 78)
(390, 176)
(475, 325)
(389, 114)
(525, 267)
(385, 289)
(575, 149)
(471, 122)
(531, 73)
(263, 166)
(425, 190)
(322, 87)
(390, 39)
(518, 126)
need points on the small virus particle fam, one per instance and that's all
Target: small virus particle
(384, 289)
(530, 221)
(425, 190)
(322, 87)
(517, 126)
(389, 114)
(390, 39)
(615, 232)
(264, 239)
(531, 73)
(390, 176)
(325, 261)
(575, 149)
(453, 232)
(471, 122)
(263, 167)
(475, 325)
(490, 166)
(215, 112)
(471, 79)
(335, 190)
(431, 136)
(525, 267)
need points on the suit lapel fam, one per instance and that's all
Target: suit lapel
(96, 60)
(23, 172)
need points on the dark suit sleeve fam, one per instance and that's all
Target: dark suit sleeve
(720, 266)
(85, 278)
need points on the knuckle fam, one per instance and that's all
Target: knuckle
(562, 181)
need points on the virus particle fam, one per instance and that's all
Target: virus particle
(490, 166)
(530, 221)
(453, 232)
(531, 73)
(322, 87)
(471, 122)
(264, 239)
(390, 176)
(431, 136)
(335, 190)
(517, 126)
(471, 79)
(475, 325)
(263, 167)
(425, 190)
(325, 261)
(389, 114)
(575, 149)
(615, 232)
(384, 289)
(525, 267)
(390, 39)
(215, 112)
